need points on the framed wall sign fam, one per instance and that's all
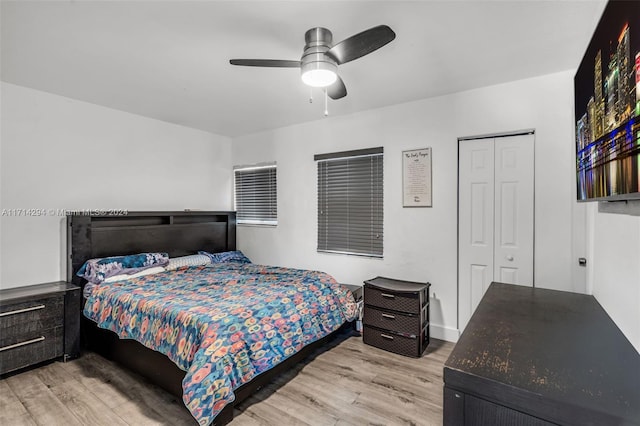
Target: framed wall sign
(416, 178)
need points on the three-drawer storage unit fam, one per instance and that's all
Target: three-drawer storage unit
(38, 323)
(396, 315)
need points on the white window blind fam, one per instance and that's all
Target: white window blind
(256, 195)
(350, 202)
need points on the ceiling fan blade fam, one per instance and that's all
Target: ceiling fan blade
(274, 63)
(361, 44)
(337, 90)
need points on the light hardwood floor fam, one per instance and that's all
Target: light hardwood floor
(347, 383)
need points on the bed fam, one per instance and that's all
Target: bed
(199, 309)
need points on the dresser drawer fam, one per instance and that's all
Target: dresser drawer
(27, 317)
(30, 349)
(402, 302)
(383, 339)
(390, 320)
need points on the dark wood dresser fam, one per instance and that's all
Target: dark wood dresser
(532, 356)
(396, 315)
(38, 323)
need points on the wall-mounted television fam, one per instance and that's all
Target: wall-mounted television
(607, 107)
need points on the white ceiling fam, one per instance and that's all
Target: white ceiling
(169, 60)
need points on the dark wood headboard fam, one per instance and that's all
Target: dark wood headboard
(176, 233)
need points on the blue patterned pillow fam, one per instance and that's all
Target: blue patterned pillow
(227, 256)
(99, 269)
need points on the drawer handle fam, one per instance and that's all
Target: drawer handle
(389, 316)
(386, 336)
(388, 296)
(17, 345)
(19, 311)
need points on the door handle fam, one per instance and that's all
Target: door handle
(510, 258)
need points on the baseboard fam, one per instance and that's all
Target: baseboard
(444, 333)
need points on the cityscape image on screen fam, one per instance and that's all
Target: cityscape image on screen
(607, 107)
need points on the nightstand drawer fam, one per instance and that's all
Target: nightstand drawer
(30, 349)
(390, 320)
(395, 301)
(33, 315)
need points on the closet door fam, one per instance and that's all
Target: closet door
(513, 243)
(475, 224)
(495, 216)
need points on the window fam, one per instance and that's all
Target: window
(256, 198)
(350, 202)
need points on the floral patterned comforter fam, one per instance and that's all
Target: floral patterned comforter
(223, 324)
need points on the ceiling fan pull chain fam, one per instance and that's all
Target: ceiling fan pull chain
(310, 95)
(326, 108)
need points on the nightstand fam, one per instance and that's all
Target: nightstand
(396, 315)
(357, 292)
(39, 323)
(355, 289)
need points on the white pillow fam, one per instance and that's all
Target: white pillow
(149, 271)
(191, 260)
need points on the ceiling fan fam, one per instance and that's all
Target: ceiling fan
(320, 58)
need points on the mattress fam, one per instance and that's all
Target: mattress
(223, 324)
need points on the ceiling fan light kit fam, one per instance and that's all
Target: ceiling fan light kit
(320, 58)
(319, 74)
(318, 69)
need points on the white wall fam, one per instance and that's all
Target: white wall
(421, 244)
(59, 153)
(614, 272)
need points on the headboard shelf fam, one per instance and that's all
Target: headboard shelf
(158, 218)
(109, 221)
(98, 229)
(176, 233)
(198, 218)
